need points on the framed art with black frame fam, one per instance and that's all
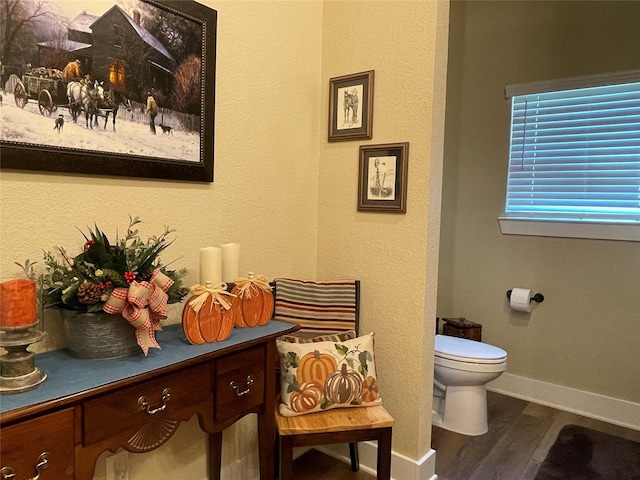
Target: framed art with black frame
(351, 106)
(382, 178)
(149, 64)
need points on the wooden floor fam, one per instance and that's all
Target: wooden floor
(520, 435)
(314, 465)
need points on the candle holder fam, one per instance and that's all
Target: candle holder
(20, 326)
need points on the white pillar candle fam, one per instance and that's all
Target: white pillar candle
(210, 265)
(230, 261)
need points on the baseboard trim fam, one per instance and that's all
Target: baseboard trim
(402, 467)
(592, 405)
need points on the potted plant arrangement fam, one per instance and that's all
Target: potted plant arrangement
(113, 294)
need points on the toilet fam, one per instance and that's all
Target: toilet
(462, 370)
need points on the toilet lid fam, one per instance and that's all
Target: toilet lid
(464, 350)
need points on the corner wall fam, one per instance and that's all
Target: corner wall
(393, 254)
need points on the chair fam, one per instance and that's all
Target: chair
(327, 311)
(321, 309)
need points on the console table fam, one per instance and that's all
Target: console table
(86, 407)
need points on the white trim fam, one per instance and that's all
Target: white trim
(592, 405)
(542, 228)
(402, 468)
(583, 81)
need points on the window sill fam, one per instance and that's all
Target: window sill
(542, 228)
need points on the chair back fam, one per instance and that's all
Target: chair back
(320, 308)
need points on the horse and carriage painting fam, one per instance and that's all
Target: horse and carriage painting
(50, 91)
(83, 69)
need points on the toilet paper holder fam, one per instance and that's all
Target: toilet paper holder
(538, 297)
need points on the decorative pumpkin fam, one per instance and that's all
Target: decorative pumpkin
(315, 366)
(253, 303)
(247, 306)
(370, 391)
(267, 307)
(191, 327)
(306, 397)
(209, 322)
(236, 309)
(343, 386)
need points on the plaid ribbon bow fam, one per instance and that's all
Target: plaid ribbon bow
(143, 304)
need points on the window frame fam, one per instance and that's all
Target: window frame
(575, 228)
(118, 35)
(117, 73)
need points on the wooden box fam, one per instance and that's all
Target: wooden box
(463, 328)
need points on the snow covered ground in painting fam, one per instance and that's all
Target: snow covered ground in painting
(130, 138)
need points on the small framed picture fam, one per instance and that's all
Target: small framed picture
(382, 178)
(351, 106)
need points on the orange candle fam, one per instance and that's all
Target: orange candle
(18, 303)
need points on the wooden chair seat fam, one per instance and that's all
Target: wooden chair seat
(341, 425)
(336, 420)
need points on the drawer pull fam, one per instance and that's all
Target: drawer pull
(143, 403)
(43, 462)
(236, 388)
(7, 473)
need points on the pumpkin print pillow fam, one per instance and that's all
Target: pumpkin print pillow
(323, 375)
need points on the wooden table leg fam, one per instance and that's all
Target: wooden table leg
(355, 457)
(266, 418)
(384, 455)
(266, 443)
(286, 458)
(215, 455)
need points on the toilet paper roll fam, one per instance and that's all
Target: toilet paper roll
(520, 299)
(230, 261)
(210, 265)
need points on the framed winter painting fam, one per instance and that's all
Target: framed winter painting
(119, 88)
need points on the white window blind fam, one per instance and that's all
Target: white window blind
(575, 150)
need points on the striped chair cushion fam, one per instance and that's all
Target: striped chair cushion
(302, 337)
(320, 308)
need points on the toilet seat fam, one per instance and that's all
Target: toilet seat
(468, 351)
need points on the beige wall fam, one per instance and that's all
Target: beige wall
(285, 194)
(264, 195)
(393, 255)
(585, 334)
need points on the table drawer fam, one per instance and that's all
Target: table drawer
(239, 383)
(133, 407)
(47, 441)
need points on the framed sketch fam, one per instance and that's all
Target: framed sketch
(351, 106)
(110, 87)
(382, 178)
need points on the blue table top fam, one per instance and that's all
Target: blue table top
(67, 375)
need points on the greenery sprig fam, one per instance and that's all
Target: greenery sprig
(84, 282)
